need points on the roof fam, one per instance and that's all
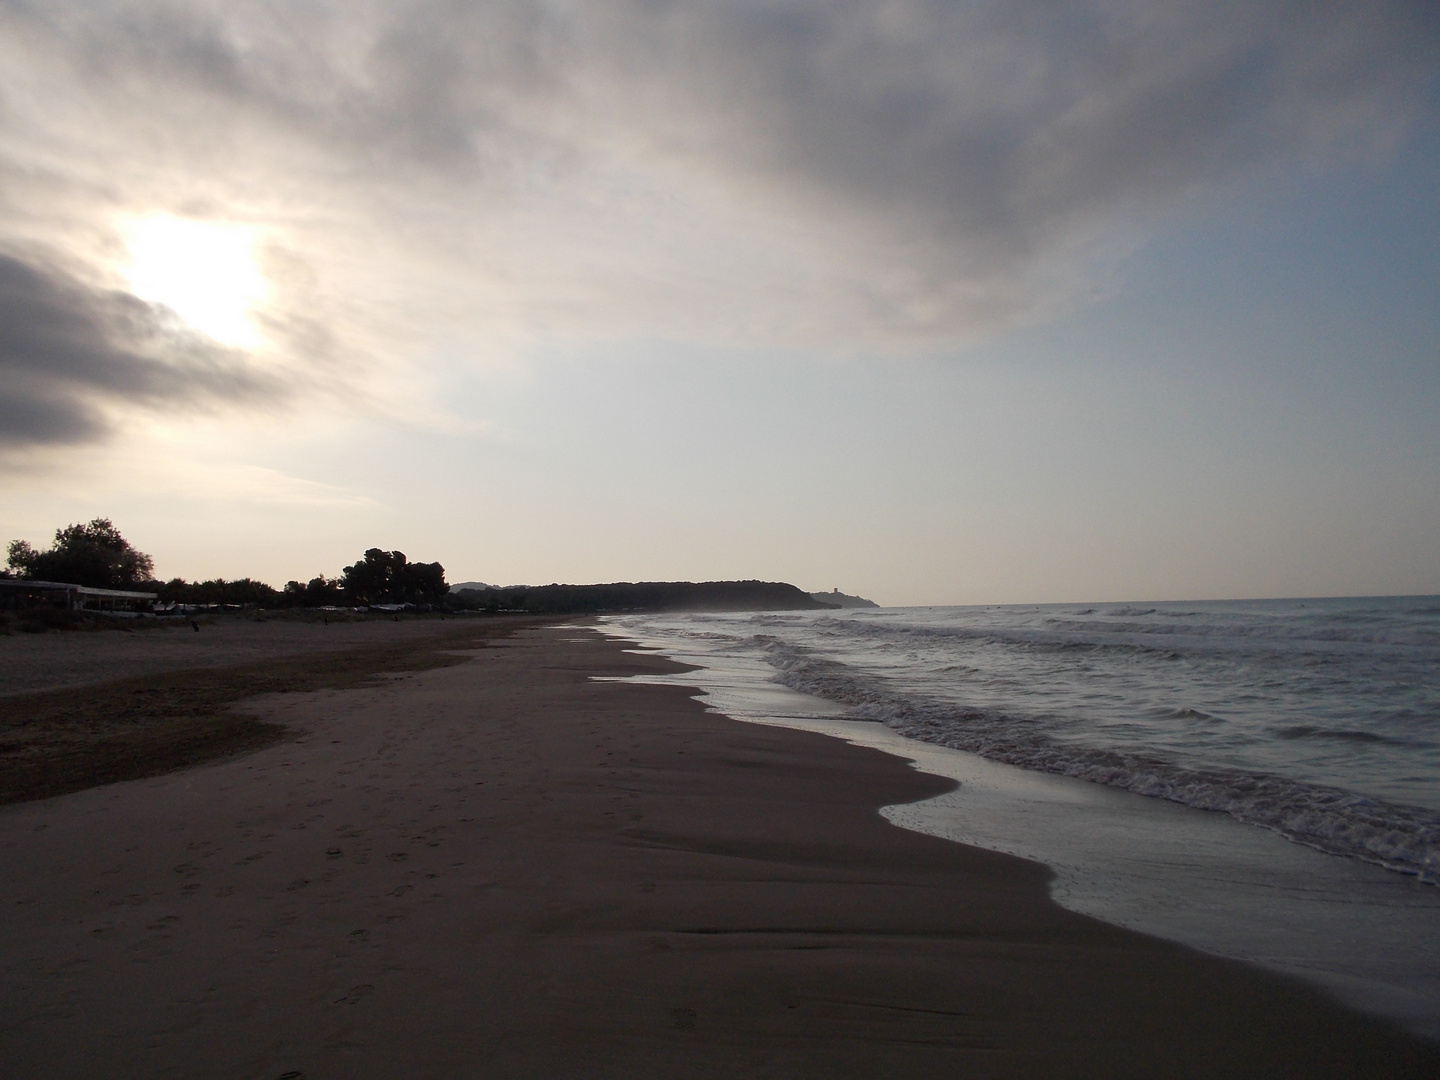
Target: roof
(82, 590)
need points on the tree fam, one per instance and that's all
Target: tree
(94, 555)
(245, 592)
(386, 577)
(320, 592)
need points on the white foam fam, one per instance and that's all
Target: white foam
(1370, 937)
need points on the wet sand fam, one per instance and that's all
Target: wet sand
(505, 869)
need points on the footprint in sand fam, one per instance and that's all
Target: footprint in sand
(356, 994)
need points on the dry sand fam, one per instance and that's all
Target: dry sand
(54, 661)
(504, 869)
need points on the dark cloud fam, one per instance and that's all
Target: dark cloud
(1004, 127)
(943, 160)
(69, 352)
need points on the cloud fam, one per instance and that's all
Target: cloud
(781, 170)
(70, 353)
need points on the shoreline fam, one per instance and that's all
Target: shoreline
(506, 867)
(1367, 935)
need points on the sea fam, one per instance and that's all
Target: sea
(1256, 779)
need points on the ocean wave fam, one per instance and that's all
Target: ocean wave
(1309, 731)
(1059, 632)
(1328, 819)
(1032, 640)
(1187, 713)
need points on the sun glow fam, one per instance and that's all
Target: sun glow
(203, 271)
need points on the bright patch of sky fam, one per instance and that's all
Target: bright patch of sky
(932, 303)
(205, 272)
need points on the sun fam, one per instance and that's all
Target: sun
(203, 271)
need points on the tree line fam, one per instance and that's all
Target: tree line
(96, 555)
(651, 596)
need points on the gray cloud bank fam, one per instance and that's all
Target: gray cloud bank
(67, 350)
(897, 170)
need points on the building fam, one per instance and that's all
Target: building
(22, 593)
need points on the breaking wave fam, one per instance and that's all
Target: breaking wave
(1329, 819)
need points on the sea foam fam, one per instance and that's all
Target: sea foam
(1319, 720)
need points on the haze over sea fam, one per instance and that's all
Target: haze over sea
(1317, 720)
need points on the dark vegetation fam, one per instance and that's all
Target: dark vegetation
(379, 577)
(644, 596)
(97, 555)
(68, 740)
(838, 599)
(385, 577)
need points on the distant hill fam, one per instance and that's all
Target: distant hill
(639, 596)
(836, 598)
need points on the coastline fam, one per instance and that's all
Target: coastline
(1367, 935)
(507, 868)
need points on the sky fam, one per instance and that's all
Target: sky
(930, 301)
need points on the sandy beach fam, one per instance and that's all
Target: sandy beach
(503, 868)
(31, 663)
